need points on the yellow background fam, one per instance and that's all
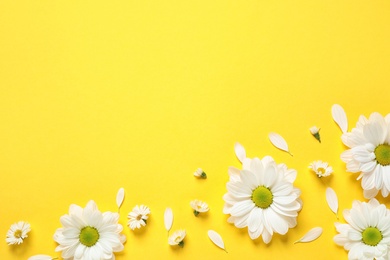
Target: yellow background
(98, 95)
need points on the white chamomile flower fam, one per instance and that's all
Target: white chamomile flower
(369, 153)
(315, 131)
(367, 234)
(177, 238)
(89, 234)
(17, 233)
(200, 173)
(138, 216)
(199, 206)
(322, 169)
(262, 197)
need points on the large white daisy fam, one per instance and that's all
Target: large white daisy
(369, 153)
(262, 197)
(89, 234)
(367, 234)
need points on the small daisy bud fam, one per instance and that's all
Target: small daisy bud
(315, 131)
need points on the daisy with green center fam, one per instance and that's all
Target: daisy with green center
(199, 206)
(262, 197)
(89, 234)
(322, 169)
(177, 238)
(138, 217)
(369, 153)
(17, 233)
(367, 234)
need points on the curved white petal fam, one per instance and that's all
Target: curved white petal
(332, 200)
(168, 219)
(120, 196)
(240, 152)
(278, 141)
(311, 235)
(216, 239)
(340, 117)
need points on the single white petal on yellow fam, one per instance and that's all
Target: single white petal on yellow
(17, 233)
(199, 206)
(313, 234)
(120, 196)
(315, 131)
(41, 257)
(340, 117)
(200, 173)
(240, 152)
(216, 239)
(333, 202)
(168, 219)
(278, 141)
(177, 238)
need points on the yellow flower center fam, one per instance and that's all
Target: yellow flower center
(139, 217)
(382, 154)
(18, 233)
(321, 170)
(89, 236)
(262, 197)
(371, 236)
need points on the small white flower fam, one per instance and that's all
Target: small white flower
(322, 169)
(200, 173)
(367, 234)
(89, 234)
(17, 233)
(315, 131)
(177, 238)
(138, 216)
(199, 206)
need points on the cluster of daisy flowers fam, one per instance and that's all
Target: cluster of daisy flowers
(261, 197)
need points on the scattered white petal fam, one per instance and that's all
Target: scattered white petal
(313, 234)
(41, 257)
(200, 173)
(216, 239)
(168, 219)
(332, 200)
(278, 141)
(340, 117)
(120, 196)
(240, 152)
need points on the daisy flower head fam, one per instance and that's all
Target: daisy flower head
(199, 206)
(367, 232)
(369, 153)
(262, 197)
(177, 238)
(315, 131)
(89, 234)
(200, 173)
(138, 216)
(17, 233)
(322, 169)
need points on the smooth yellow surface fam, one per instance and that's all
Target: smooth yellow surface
(98, 95)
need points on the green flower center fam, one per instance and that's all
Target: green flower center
(89, 236)
(382, 154)
(18, 233)
(262, 197)
(371, 236)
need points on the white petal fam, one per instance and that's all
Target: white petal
(120, 196)
(168, 219)
(332, 200)
(240, 151)
(40, 257)
(313, 234)
(340, 117)
(216, 239)
(279, 142)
